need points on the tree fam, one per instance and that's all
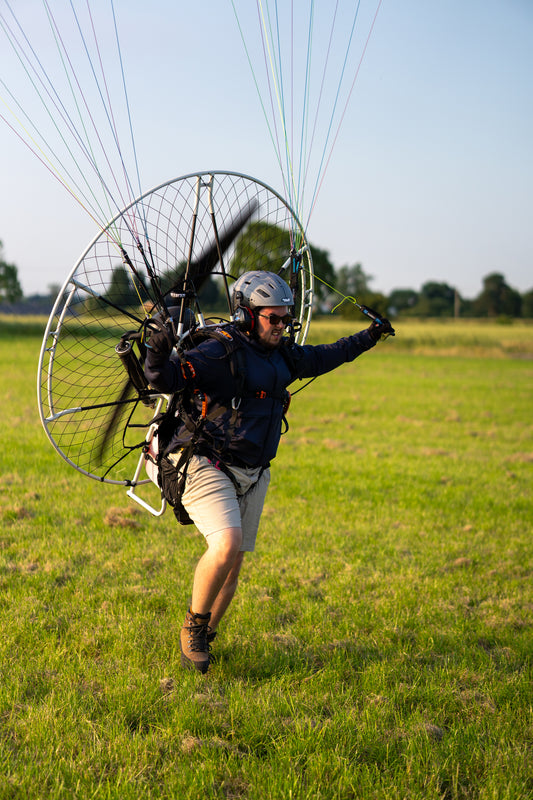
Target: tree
(211, 296)
(354, 282)
(53, 289)
(402, 301)
(10, 288)
(435, 300)
(527, 304)
(497, 298)
(265, 246)
(121, 290)
(172, 279)
(262, 246)
(324, 272)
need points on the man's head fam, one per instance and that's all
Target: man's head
(261, 305)
(271, 322)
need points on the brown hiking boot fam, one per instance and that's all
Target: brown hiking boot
(210, 639)
(193, 642)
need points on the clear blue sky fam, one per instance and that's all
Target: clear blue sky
(432, 174)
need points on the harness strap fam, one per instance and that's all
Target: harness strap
(191, 405)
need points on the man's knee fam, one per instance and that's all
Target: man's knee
(226, 544)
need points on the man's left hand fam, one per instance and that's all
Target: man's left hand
(380, 329)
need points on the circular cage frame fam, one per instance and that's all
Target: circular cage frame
(79, 373)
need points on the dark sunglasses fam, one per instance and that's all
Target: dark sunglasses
(275, 320)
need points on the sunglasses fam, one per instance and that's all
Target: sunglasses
(275, 320)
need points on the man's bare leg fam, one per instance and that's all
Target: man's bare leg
(215, 582)
(214, 568)
(226, 593)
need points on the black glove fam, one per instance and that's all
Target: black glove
(380, 329)
(158, 337)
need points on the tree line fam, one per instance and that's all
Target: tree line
(434, 299)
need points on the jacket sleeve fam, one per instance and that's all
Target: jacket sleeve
(163, 372)
(207, 365)
(314, 360)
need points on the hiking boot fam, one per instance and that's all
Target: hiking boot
(211, 635)
(193, 641)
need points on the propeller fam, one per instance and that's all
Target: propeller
(200, 269)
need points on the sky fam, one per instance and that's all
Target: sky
(430, 176)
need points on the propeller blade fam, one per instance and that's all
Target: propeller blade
(112, 422)
(208, 260)
(136, 382)
(202, 267)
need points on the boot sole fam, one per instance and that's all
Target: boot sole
(199, 666)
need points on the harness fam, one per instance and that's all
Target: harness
(190, 407)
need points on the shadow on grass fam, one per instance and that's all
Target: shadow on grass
(275, 655)
(10, 328)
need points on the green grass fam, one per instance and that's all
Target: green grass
(380, 643)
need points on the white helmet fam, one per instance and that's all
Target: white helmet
(259, 288)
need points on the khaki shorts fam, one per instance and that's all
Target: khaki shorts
(214, 503)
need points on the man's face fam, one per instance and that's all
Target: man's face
(270, 333)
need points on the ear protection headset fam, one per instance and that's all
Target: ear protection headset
(244, 317)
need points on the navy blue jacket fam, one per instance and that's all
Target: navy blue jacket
(255, 428)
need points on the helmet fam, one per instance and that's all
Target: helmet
(259, 288)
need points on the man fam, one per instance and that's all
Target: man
(238, 394)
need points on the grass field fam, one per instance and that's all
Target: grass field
(380, 645)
